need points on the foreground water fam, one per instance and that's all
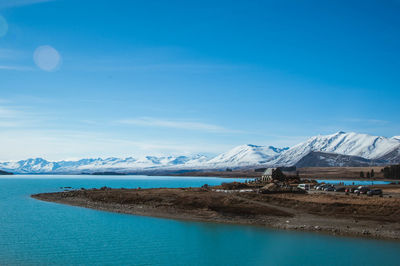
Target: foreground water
(33, 232)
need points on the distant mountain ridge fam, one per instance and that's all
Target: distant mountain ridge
(352, 144)
(39, 165)
(245, 155)
(325, 159)
(339, 149)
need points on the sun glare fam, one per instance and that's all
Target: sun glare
(47, 58)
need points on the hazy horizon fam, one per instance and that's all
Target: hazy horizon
(209, 155)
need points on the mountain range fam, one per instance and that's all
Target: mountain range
(339, 149)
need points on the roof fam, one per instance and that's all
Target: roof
(268, 171)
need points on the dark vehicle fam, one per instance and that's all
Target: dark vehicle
(340, 189)
(329, 188)
(374, 192)
(321, 186)
(361, 190)
(350, 190)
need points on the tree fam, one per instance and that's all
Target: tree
(278, 175)
(386, 172)
(362, 174)
(372, 173)
(368, 175)
(392, 171)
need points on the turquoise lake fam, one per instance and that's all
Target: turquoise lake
(33, 232)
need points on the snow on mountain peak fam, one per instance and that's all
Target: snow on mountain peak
(396, 137)
(377, 148)
(244, 155)
(354, 144)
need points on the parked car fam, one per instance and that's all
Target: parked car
(351, 190)
(363, 190)
(374, 192)
(340, 189)
(323, 186)
(329, 188)
(304, 186)
(318, 187)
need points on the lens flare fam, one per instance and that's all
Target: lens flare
(47, 58)
(3, 26)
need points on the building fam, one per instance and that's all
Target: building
(267, 175)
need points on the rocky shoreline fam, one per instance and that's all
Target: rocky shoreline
(335, 214)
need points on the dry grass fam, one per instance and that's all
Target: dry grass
(338, 172)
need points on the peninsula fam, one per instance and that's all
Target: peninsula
(335, 213)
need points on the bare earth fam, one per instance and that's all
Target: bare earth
(330, 212)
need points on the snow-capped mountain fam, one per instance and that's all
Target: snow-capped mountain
(339, 149)
(325, 159)
(245, 155)
(354, 144)
(40, 166)
(392, 157)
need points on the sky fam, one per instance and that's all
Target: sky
(82, 79)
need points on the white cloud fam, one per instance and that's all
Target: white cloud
(25, 133)
(6, 112)
(9, 53)
(16, 68)
(16, 116)
(187, 125)
(9, 124)
(178, 67)
(60, 145)
(16, 3)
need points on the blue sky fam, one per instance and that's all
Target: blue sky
(127, 78)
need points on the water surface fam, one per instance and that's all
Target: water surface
(33, 232)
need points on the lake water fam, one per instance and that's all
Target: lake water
(33, 232)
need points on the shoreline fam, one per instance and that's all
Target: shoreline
(195, 204)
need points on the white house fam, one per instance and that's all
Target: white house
(267, 175)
